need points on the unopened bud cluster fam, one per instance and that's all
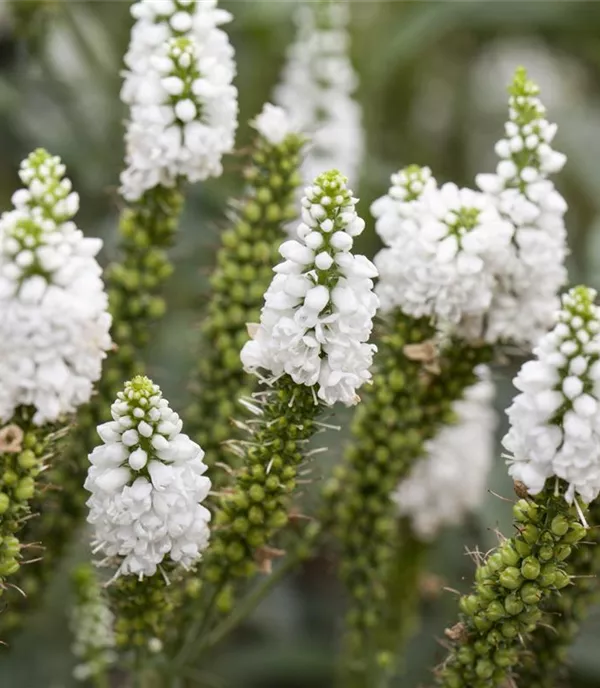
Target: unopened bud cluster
(511, 587)
(242, 275)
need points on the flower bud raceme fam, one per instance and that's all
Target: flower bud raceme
(554, 428)
(146, 482)
(523, 308)
(450, 480)
(317, 86)
(92, 625)
(319, 308)
(445, 249)
(178, 86)
(54, 330)
(242, 274)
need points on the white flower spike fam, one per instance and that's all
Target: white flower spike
(523, 308)
(54, 330)
(147, 485)
(555, 427)
(451, 480)
(178, 86)
(445, 248)
(319, 308)
(317, 90)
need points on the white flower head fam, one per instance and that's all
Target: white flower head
(445, 247)
(555, 426)
(54, 330)
(273, 124)
(527, 298)
(147, 485)
(317, 88)
(319, 308)
(178, 86)
(450, 480)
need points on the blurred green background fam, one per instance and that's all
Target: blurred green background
(433, 77)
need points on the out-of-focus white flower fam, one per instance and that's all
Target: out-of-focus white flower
(273, 124)
(555, 424)
(319, 308)
(317, 88)
(54, 329)
(178, 85)
(446, 247)
(147, 485)
(92, 625)
(450, 480)
(524, 306)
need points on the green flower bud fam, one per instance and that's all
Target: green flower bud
(530, 568)
(511, 578)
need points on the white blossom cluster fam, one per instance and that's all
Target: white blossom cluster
(319, 308)
(147, 484)
(317, 87)
(524, 306)
(94, 640)
(450, 481)
(555, 420)
(178, 86)
(445, 248)
(273, 124)
(54, 329)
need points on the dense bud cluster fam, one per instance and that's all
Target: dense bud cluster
(319, 308)
(511, 586)
(147, 485)
(544, 663)
(258, 506)
(413, 394)
(183, 107)
(554, 420)
(92, 625)
(23, 449)
(242, 275)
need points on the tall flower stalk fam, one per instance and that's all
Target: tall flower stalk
(54, 336)
(554, 456)
(455, 264)
(147, 487)
(317, 88)
(311, 351)
(242, 274)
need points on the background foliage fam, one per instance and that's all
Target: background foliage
(433, 78)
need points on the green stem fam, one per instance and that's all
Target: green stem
(249, 604)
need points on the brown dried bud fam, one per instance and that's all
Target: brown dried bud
(521, 489)
(264, 558)
(11, 439)
(425, 352)
(458, 633)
